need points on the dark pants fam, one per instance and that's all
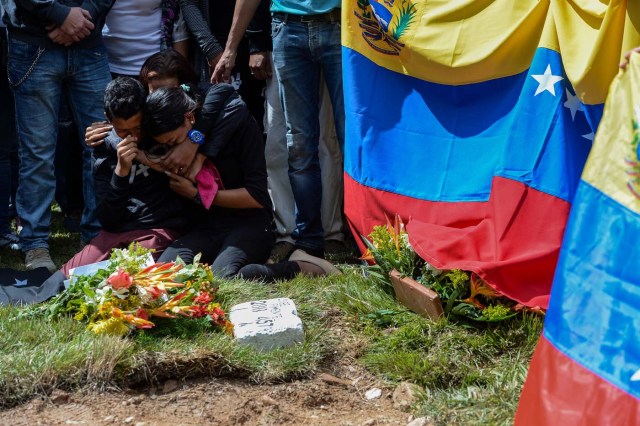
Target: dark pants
(270, 273)
(8, 141)
(226, 248)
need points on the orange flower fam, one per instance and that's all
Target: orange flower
(479, 287)
(132, 319)
(368, 256)
(170, 306)
(120, 279)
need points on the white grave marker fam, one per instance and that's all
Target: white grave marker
(267, 324)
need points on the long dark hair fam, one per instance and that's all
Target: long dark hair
(168, 64)
(165, 108)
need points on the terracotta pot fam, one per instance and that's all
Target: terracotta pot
(415, 296)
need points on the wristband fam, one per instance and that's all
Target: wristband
(196, 137)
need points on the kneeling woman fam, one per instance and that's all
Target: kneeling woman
(238, 228)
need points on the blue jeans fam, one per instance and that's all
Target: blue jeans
(38, 78)
(301, 51)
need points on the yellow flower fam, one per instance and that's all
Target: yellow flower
(109, 326)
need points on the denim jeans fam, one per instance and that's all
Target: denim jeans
(278, 166)
(301, 51)
(38, 79)
(8, 141)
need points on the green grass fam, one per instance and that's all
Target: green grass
(471, 374)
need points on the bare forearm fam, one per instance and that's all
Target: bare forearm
(235, 199)
(182, 47)
(242, 15)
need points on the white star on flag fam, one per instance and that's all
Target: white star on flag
(21, 283)
(589, 136)
(573, 103)
(636, 376)
(546, 81)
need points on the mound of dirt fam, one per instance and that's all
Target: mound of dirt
(216, 402)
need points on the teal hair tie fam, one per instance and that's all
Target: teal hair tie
(185, 88)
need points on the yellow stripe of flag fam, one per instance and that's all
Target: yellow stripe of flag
(458, 42)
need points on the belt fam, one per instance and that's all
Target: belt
(333, 16)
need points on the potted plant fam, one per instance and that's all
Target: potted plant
(426, 290)
(397, 261)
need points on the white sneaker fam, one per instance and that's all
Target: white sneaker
(39, 258)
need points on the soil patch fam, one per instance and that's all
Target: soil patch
(216, 401)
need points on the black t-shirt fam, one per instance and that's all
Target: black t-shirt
(141, 200)
(234, 144)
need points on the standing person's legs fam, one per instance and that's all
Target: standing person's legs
(299, 77)
(90, 76)
(329, 54)
(36, 79)
(331, 165)
(8, 139)
(277, 159)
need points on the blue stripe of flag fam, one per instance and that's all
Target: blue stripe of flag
(446, 143)
(594, 312)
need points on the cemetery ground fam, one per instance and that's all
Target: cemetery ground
(357, 338)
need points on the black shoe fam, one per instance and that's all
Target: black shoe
(280, 251)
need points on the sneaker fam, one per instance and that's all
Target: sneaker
(280, 251)
(313, 265)
(10, 240)
(39, 258)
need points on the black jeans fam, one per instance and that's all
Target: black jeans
(227, 247)
(8, 141)
(285, 270)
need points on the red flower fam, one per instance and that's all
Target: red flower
(141, 313)
(198, 311)
(217, 315)
(203, 298)
(120, 279)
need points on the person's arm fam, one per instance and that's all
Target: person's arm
(111, 193)
(242, 15)
(47, 10)
(97, 8)
(259, 30)
(199, 28)
(238, 198)
(260, 43)
(180, 41)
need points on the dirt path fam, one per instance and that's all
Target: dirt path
(215, 402)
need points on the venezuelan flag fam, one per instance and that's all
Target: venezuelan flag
(586, 368)
(473, 120)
